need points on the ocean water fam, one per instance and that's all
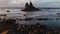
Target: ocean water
(45, 13)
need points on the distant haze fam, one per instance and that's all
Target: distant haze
(37, 3)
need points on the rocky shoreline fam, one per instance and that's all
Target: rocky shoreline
(13, 28)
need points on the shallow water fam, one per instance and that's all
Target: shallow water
(44, 22)
(16, 13)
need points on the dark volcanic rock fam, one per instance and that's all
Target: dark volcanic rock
(7, 11)
(30, 7)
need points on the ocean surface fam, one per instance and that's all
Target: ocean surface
(45, 13)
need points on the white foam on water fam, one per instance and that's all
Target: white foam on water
(16, 13)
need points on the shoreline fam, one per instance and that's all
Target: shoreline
(16, 28)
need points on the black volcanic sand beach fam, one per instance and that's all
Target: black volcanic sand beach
(10, 27)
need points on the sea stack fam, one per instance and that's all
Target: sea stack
(30, 7)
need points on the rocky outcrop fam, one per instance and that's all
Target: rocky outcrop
(30, 7)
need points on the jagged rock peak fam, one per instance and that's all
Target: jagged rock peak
(30, 7)
(26, 5)
(31, 3)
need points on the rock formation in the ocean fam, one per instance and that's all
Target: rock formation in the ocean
(7, 11)
(30, 7)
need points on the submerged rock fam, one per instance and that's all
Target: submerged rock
(3, 15)
(30, 7)
(7, 11)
